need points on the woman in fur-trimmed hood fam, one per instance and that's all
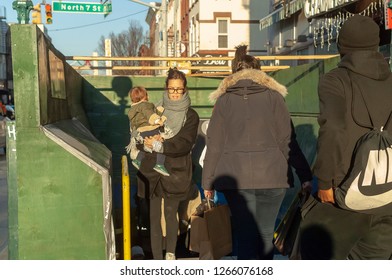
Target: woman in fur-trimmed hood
(250, 143)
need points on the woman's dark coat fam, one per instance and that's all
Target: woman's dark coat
(178, 163)
(250, 140)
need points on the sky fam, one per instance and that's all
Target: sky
(76, 34)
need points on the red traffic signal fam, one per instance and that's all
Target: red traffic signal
(48, 13)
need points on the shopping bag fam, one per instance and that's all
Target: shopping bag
(286, 237)
(210, 233)
(187, 207)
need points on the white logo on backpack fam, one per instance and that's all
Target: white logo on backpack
(367, 191)
(379, 169)
(379, 163)
(367, 187)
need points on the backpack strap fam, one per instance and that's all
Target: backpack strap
(367, 109)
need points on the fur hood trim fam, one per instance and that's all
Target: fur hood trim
(255, 75)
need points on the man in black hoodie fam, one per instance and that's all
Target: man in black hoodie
(328, 231)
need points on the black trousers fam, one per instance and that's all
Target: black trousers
(170, 214)
(329, 232)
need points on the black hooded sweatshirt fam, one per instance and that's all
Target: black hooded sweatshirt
(339, 132)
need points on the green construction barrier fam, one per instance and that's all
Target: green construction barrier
(59, 176)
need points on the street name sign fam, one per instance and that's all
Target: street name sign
(81, 7)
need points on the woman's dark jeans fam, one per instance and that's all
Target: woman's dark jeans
(254, 213)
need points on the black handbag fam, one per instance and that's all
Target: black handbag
(286, 237)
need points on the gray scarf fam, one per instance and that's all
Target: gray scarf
(175, 112)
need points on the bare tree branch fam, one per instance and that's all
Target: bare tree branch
(125, 43)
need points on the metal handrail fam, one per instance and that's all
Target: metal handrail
(185, 63)
(143, 58)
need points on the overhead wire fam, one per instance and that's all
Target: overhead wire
(96, 23)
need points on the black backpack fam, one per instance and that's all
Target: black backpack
(367, 187)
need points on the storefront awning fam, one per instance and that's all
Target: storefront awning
(283, 12)
(318, 9)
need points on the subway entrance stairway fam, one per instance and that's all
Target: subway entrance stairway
(88, 182)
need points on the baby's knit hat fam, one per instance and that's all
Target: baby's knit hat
(358, 33)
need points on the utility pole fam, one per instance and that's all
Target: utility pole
(175, 27)
(164, 24)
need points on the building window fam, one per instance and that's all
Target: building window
(222, 33)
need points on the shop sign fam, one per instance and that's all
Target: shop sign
(314, 8)
(210, 62)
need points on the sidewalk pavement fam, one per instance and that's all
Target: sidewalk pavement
(3, 207)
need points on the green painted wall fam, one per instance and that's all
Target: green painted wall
(302, 101)
(56, 201)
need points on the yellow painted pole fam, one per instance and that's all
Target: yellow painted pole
(126, 209)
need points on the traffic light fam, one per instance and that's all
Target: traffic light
(48, 13)
(36, 14)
